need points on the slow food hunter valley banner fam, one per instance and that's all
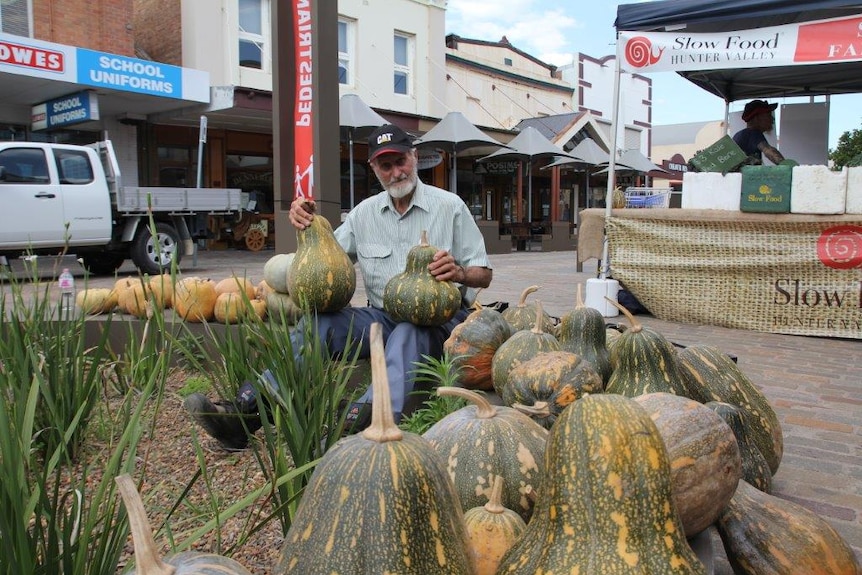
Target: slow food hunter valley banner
(303, 129)
(776, 276)
(817, 42)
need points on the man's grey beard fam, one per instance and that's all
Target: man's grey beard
(402, 188)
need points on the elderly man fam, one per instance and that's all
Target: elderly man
(758, 119)
(377, 234)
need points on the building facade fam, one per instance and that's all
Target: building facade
(394, 55)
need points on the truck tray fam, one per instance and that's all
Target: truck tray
(179, 200)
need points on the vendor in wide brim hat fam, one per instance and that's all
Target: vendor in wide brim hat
(758, 118)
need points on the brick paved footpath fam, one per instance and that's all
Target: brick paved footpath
(814, 384)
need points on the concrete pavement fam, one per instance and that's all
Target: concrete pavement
(814, 384)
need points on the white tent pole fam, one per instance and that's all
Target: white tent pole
(612, 164)
(726, 117)
(350, 159)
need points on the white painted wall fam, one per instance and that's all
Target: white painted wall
(594, 77)
(210, 43)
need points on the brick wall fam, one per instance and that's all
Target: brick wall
(103, 25)
(158, 25)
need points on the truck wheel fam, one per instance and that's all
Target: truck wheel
(153, 256)
(103, 264)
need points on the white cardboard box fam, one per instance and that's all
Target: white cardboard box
(854, 190)
(711, 191)
(818, 190)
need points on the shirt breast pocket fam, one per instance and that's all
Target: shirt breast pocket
(376, 265)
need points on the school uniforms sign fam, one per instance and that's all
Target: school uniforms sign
(818, 42)
(783, 273)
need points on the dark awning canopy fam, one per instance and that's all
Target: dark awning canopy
(725, 15)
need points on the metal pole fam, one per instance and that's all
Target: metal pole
(612, 165)
(350, 155)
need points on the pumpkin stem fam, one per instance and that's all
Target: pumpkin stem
(484, 409)
(538, 409)
(523, 301)
(382, 428)
(476, 305)
(495, 499)
(636, 325)
(147, 560)
(579, 303)
(540, 315)
(531, 493)
(423, 238)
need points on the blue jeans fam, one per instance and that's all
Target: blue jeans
(404, 345)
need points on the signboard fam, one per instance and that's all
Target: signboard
(818, 42)
(66, 111)
(722, 156)
(776, 273)
(38, 59)
(303, 129)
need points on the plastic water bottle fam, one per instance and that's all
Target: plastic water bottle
(66, 283)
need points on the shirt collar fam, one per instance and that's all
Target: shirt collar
(419, 200)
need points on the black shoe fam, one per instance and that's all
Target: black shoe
(358, 418)
(222, 421)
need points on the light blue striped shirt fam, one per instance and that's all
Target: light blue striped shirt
(376, 236)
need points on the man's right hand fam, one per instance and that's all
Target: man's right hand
(301, 213)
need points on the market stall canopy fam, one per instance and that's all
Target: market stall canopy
(682, 17)
(586, 154)
(634, 161)
(529, 145)
(455, 134)
(356, 119)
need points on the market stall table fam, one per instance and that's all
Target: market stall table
(778, 273)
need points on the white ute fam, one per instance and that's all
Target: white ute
(58, 196)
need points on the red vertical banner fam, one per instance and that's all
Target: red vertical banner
(302, 117)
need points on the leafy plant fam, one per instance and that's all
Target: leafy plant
(442, 372)
(58, 506)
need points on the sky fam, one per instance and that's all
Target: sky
(554, 30)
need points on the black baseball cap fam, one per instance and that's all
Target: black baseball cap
(756, 107)
(388, 138)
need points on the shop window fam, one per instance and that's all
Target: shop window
(254, 34)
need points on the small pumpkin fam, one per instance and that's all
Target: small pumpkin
(482, 441)
(232, 307)
(605, 502)
(755, 469)
(380, 501)
(766, 535)
(545, 385)
(321, 276)
(705, 464)
(582, 331)
(276, 271)
(280, 306)
(643, 361)
(238, 285)
(194, 299)
(711, 375)
(492, 530)
(147, 560)
(135, 299)
(472, 344)
(523, 314)
(415, 296)
(161, 290)
(521, 347)
(94, 301)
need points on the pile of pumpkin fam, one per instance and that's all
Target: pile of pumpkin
(609, 454)
(197, 299)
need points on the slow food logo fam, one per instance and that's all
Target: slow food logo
(840, 247)
(640, 52)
